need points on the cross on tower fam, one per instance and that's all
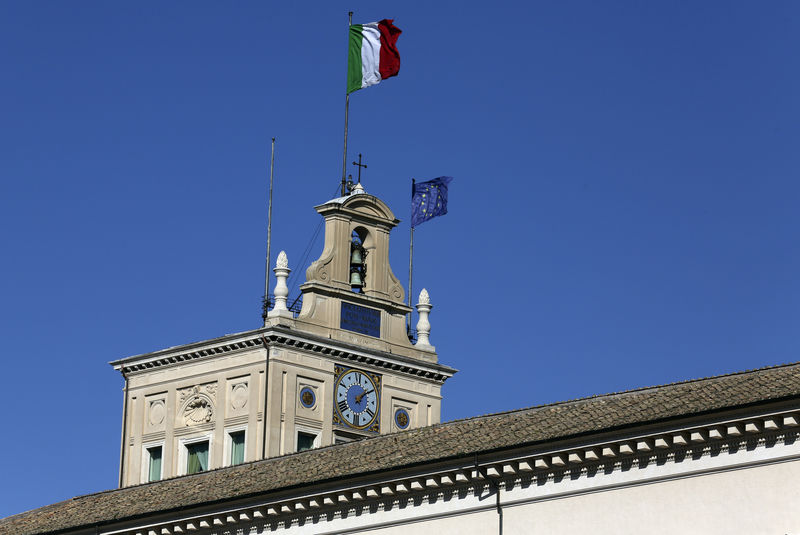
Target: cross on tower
(360, 165)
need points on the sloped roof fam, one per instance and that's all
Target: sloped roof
(451, 440)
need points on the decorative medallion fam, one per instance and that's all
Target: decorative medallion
(402, 418)
(239, 396)
(157, 412)
(307, 397)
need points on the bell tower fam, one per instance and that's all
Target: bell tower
(352, 298)
(351, 289)
(342, 369)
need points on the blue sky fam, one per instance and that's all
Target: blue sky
(623, 214)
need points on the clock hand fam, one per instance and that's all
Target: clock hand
(361, 396)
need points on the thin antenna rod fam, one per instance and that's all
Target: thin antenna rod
(410, 263)
(346, 108)
(269, 233)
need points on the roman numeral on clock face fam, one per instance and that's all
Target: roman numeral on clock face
(343, 406)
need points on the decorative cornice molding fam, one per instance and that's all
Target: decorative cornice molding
(288, 339)
(676, 445)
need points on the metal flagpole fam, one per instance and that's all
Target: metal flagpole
(346, 108)
(410, 260)
(269, 233)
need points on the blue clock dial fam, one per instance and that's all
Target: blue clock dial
(357, 400)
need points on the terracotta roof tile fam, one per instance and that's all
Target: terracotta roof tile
(440, 442)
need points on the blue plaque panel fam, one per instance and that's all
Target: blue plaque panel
(361, 319)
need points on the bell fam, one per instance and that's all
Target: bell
(355, 280)
(355, 257)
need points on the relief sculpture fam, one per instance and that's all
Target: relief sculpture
(197, 404)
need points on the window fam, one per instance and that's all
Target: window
(196, 457)
(340, 437)
(237, 447)
(306, 441)
(154, 463)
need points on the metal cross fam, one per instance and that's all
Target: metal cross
(360, 165)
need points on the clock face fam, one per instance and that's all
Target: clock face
(357, 398)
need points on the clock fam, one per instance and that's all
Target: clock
(357, 399)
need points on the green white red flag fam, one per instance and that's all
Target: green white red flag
(373, 54)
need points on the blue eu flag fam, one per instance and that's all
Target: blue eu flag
(429, 199)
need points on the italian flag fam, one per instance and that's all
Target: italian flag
(373, 54)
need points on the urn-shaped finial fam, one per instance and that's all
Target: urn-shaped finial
(281, 271)
(423, 325)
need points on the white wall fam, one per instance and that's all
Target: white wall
(743, 491)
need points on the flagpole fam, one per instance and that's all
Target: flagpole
(410, 262)
(269, 233)
(346, 108)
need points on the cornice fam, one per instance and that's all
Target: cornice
(283, 337)
(430, 482)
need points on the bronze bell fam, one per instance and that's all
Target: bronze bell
(355, 257)
(355, 280)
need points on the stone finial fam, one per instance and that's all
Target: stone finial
(424, 298)
(423, 325)
(282, 261)
(358, 189)
(281, 271)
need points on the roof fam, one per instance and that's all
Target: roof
(457, 439)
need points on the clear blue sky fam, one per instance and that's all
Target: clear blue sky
(624, 211)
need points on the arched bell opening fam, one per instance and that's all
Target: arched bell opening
(359, 242)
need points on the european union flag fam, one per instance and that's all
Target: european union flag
(429, 199)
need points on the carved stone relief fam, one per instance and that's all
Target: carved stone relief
(198, 411)
(208, 389)
(397, 292)
(197, 403)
